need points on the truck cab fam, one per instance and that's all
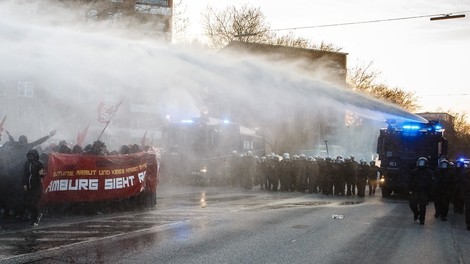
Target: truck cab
(400, 145)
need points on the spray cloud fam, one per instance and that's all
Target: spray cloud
(79, 65)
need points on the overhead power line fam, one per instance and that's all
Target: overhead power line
(449, 94)
(433, 17)
(459, 14)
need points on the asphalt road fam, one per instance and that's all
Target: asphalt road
(232, 225)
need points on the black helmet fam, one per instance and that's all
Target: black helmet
(451, 164)
(23, 139)
(444, 164)
(460, 163)
(422, 162)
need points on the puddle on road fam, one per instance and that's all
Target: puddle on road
(351, 202)
(297, 205)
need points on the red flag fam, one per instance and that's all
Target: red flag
(82, 135)
(106, 113)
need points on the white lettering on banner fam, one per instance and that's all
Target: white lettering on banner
(72, 185)
(141, 176)
(118, 183)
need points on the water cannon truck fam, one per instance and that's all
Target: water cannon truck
(400, 145)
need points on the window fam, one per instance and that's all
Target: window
(25, 89)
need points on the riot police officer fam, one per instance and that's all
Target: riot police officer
(327, 173)
(312, 175)
(420, 188)
(458, 199)
(287, 172)
(301, 174)
(372, 177)
(362, 175)
(339, 170)
(466, 195)
(444, 187)
(350, 170)
(273, 180)
(261, 173)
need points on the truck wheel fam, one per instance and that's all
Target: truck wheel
(386, 192)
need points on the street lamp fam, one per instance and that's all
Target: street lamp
(447, 16)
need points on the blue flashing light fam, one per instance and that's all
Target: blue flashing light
(411, 127)
(438, 127)
(226, 121)
(187, 121)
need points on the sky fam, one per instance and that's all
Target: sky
(80, 64)
(428, 58)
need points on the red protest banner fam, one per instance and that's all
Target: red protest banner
(78, 178)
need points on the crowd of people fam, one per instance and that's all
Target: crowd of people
(448, 184)
(340, 176)
(23, 165)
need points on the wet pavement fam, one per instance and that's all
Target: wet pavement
(18, 238)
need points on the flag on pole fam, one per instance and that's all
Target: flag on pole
(82, 135)
(142, 143)
(1, 124)
(106, 113)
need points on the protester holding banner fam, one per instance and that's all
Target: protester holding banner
(13, 166)
(98, 148)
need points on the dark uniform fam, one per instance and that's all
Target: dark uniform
(350, 176)
(32, 183)
(301, 177)
(466, 195)
(420, 188)
(273, 181)
(457, 197)
(362, 175)
(286, 176)
(372, 178)
(327, 174)
(444, 180)
(339, 170)
(312, 175)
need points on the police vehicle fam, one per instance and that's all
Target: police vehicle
(400, 145)
(197, 150)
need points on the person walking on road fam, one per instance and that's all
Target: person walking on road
(420, 189)
(466, 195)
(32, 184)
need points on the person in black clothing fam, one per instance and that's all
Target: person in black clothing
(458, 199)
(372, 177)
(466, 195)
(32, 184)
(444, 188)
(420, 188)
(13, 171)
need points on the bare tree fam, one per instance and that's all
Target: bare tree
(249, 24)
(365, 80)
(243, 24)
(180, 21)
(458, 135)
